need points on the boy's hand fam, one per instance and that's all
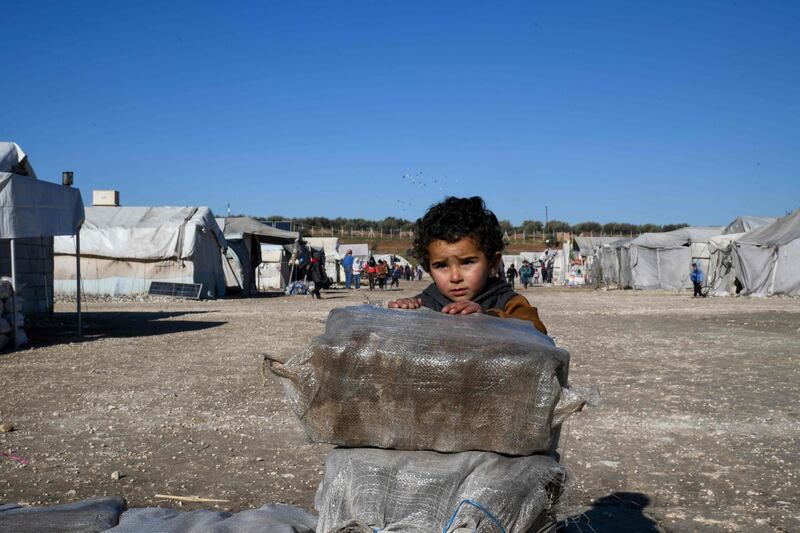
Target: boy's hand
(461, 308)
(405, 303)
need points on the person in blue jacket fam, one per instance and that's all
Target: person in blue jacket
(697, 280)
(347, 266)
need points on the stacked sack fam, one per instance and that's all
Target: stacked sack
(450, 423)
(9, 320)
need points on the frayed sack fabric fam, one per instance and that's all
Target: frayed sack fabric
(424, 492)
(422, 380)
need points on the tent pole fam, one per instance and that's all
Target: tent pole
(78, 279)
(12, 246)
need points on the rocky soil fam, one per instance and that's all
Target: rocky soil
(698, 430)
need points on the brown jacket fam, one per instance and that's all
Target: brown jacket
(497, 299)
(518, 307)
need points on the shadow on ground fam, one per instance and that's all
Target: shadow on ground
(102, 325)
(619, 512)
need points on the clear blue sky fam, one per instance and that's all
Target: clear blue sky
(679, 111)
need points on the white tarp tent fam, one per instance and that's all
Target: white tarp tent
(14, 161)
(744, 224)
(612, 270)
(767, 260)
(721, 279)
(274, 270)
(664, 260)
(32, 212)
(123, 249)
(360, 251)
(242, 261)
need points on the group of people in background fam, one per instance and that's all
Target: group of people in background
(528, 274)
(378, 273)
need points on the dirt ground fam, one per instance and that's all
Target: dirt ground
(698, 430)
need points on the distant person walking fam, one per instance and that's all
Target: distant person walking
(525, 274)
(347, 265)
(358, 266)
(419, 273)
(408, 274)
(397, 273)
(511, 275)
(372, 272)
(317, 275)
(697, 280)
(535, 276)
(383, 272)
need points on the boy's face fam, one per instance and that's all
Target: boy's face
(460, 269)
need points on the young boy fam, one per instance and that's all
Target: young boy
(459, 242)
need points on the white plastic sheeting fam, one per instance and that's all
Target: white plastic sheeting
(36, 208)
(744, 224)
(146, 233)
(274, 270)
(14, 160)
(664, 260)
(721, 278)
(238, 227)
(123, 249)
(766, 259)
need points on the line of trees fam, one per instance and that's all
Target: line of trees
(528, 226)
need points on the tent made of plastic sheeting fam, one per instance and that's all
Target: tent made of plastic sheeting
(359, 250)
(588, 245)
(746, 223)
(767, 260)
(124, 249)
(242, 259)
(238, 227)
(34, 208)
(721, 277)
(332, 249)
(664, 260)
(614, 266)
(14, 161)
(399, 259)
(274, 270)
(32, 212)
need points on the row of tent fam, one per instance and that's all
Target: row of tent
(756, 256)
(124, 249)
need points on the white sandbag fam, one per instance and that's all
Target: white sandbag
(421, 380)
(423, 492)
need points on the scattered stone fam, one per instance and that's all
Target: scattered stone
(115, 475)
(6, 428)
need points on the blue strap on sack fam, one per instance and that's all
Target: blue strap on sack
(478, 506)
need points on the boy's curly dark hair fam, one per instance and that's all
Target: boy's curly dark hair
(456, 218)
